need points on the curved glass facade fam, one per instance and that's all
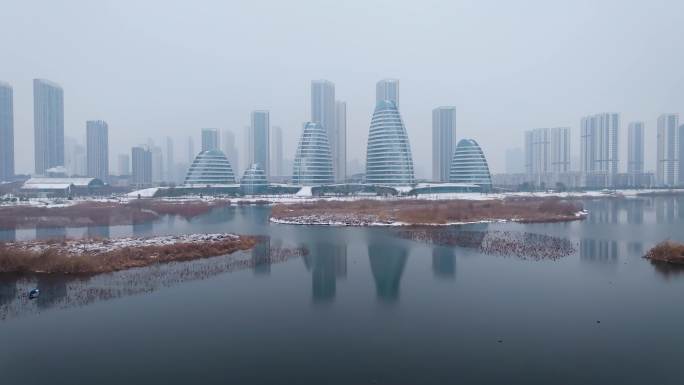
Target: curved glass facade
(313, 160)
(209, 168)
(388, 156)
(254, 180)
(469, 165)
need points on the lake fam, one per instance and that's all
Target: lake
(364, 307)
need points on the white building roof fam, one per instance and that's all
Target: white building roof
(51, 182)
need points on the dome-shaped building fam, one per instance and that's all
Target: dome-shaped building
(469, 165)
(254, 180)
(210, 167)
(313, 160)
(388, 156)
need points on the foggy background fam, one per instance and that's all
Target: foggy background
(169, 68)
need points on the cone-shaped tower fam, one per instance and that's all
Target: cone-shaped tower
(388, 156)
(210, 167)
(469, 165)
(313, 160)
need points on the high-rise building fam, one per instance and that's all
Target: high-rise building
(443, 141)
(324, 112)
(340, 155)
(259, 141)
(191, 150)
(48, 124)
(170, 163)
(210, 139)
(254, 180)
(230, 150)
(547, 151)
(277, 151)
(97, 149)
(667, 168)
(141, 175)
(388, 154)
(469, 165)
(6, 131)
(635, 148)
(599, 149)
(387, 89)
(157, 164)
(313, 160)
(124, 161)
(75, 157)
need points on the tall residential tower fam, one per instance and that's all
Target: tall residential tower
(443, 141)
(48, 124)
(259, 141)
(97, 149)
(667, 168)
(6, 132)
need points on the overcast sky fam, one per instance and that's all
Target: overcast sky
(158, 68)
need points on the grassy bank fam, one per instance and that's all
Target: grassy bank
(668, 252)
(367, 212)
(100, 256)
(101, 213)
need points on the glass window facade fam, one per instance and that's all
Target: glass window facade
(210, 168)
(388, 156)
(254, 180)
(313, 160)
(469, 165)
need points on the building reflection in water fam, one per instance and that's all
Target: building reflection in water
(261, 257)
(666, 210)
(387, 262)
(444, 262)
(98, 232)
(46, 233)
(599, 251)
(327, 263)
(142, 229)
(8, 235)
(52, 290)
(635, 211)
(8, 288)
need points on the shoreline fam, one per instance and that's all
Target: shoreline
(96, 256)
(427, 212)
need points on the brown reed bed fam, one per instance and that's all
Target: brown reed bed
(102, 213)
(667, 252)
(416, 211)
(64, 257)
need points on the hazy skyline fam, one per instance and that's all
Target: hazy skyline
(169, 68)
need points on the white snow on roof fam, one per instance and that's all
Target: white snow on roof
(144, 193)
(46, 186)
(304, 192)
(78, 182)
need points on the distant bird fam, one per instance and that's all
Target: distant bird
(34, 293)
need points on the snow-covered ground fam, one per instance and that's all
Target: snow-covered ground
(99, 246)
(372, 220)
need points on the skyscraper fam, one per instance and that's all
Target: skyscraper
(157, 164)
(277, 151)
(75, 157)
(210, 139)
(97, 149)
(323, 112)
(48, 123)
(191, 150)
(469, 165)
(259, 141)
(388, 155)
(667, 168)
(443, 141)
(599, 148)
(170, 163)
(6, 131)
(635, 148)
(141, 175)
(313, 161)
(340, 155)
(387, 89)
(547, 151)
(230, 150)
(124, 161)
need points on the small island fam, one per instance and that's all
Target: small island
(413, 212)
(94, 256)
(667, 252)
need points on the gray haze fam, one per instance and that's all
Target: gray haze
(158, 68)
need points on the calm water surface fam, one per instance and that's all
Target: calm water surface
(365, 307)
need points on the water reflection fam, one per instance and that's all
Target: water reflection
(261, 257)
(327, 263)
(444, 262)
(143, 229)
(8, 235)
(599, 251)
(8, 288)
(387, 262)
(98, 232)
(46, 233)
